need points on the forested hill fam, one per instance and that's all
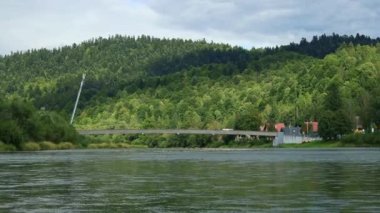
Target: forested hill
(146, 82)
(323, 45)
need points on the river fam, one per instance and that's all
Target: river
(191, 180)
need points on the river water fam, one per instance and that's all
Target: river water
(186, 180)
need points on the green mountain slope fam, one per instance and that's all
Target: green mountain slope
(159, 83)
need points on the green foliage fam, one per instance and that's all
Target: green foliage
(248, 120)
(186, 141)
(316, 144)
(65, 145)
(30, 146)
(21, 122)
(47, 145)
(375, 106)
(55, 128)
(333, 125)
(113, 145)
(11, 133)
(369, 139)
(236, 56)
(250, 142)
(7, 147)
(146, 82)
(333, 100)
(322, 45)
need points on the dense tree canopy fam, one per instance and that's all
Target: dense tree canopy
(333, 121)
(21, 122)
(146, 82)
(320, 46)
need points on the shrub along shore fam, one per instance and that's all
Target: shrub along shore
(37, 146)
(188, 141)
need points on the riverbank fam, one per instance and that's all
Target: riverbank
(33, 146)
(47, 145)
(326, 144)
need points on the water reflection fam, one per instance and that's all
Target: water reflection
(196, 180)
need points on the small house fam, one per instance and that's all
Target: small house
(279, 127)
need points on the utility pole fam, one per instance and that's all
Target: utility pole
(76, 102)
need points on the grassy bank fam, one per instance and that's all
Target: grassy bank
(187, 141)
(316, 144)
(37, 146)
(327, 144)
(112, 145)
(46, 145)
(7, 147)
(351, 140)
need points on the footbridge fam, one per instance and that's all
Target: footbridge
(276, 136)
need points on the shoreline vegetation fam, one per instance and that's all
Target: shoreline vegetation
(33, 146)
(348, 141)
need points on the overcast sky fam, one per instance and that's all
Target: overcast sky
(29, 24)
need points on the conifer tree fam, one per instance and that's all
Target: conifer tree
(333, 122)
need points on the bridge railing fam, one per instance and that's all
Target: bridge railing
(176, 131)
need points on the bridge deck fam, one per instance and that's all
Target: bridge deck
(175, 131)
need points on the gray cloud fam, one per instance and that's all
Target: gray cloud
(270, 22)
(50, 23)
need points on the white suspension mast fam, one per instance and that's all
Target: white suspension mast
(76, 102)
